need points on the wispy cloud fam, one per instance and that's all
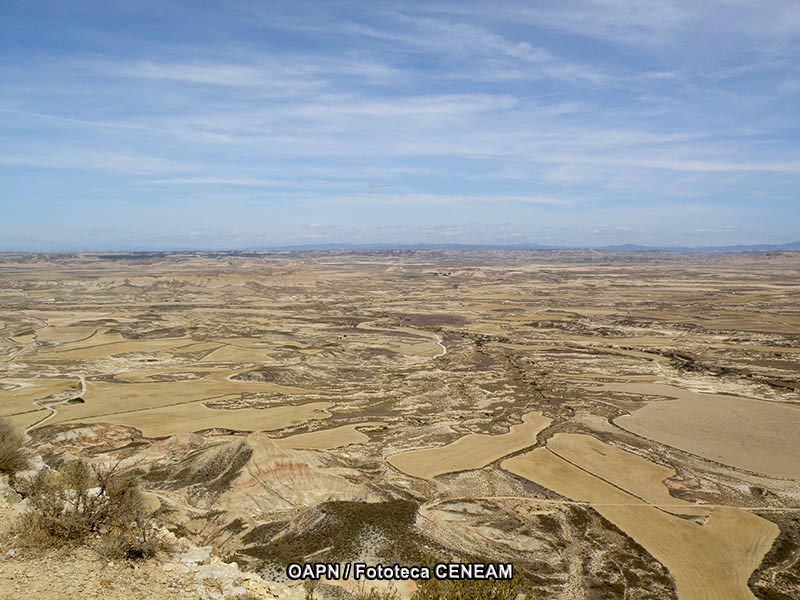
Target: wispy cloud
(91, 161)
(466, 200)
(488, 55)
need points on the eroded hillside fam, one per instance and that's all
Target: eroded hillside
(617, 425)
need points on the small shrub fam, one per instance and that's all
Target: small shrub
(434, 589)
(309, 585)
(389, 593)
(13, 457)
(130, 545)
(78, 502)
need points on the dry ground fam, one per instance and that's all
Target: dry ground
(644, 407)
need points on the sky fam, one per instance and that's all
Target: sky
(139, 125)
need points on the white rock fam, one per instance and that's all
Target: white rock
(235, 591)
(35, 464)
(8, 493)
(196, 555)
(221, 572)
(21, 507)
(165, 535)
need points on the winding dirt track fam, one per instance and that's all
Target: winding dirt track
(50, 406)
(444, 348)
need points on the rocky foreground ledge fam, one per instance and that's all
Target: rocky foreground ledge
(187, 572)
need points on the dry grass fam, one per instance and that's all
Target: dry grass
(634, 474)
(62, 335)
(78, 503)
(239, 350)
(403, 340)
(104, 345)
(105, 399)
(433, 589)
(20, 394)
(191, 417)
(22, 421)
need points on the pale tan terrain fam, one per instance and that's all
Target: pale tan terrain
(19, 395)
(711, 562)
(117, 399)
(616, 425)
(634, 474)
(190, 417)
(472, 451)
(25, 420)
(758, 436)
(277, 478)
(327, 439)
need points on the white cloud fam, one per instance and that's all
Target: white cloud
(704, 230)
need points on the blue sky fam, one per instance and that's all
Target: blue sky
(203, 124)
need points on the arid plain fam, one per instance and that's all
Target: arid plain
(618, 425)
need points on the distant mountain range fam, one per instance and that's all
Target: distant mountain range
(791, 246)
(344, 247)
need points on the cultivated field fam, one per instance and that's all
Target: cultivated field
(711, 561)
(630, 472)
(19, 395)
(472, 451)
(758, 436)
(327, 439)
(114, 399)
(195, 416)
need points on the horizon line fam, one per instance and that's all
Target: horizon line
(344, 246)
